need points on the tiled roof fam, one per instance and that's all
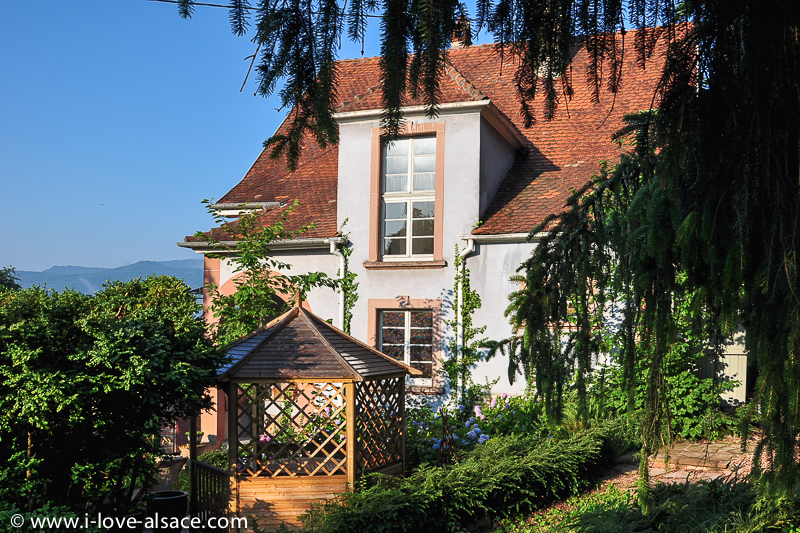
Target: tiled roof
(560, 154)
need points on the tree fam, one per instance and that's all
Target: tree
(86, 383)
(264, 284)
(9, 278)
(718, 163)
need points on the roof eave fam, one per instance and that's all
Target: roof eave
(368, 115)
(229, 247)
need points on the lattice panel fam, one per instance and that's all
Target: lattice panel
(379, 423)
(292, 429)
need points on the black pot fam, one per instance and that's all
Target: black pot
(167, 504)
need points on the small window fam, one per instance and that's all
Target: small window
(408, 189)
(407, 335)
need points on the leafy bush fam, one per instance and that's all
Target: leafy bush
(507, 474)
(694, 403)
(218, 458)
(86, 382)
(446, 434)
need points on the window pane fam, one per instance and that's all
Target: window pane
(398, 147)
(424, 182)
(393, 336)
(424, 163)
(423, 209)
(423, 246)
(394, 351)
(421, 228)
(397, 165)
(393, 319)
(395, 210)
(395, 246)
(421, 336)
(427, 369)
(395, 182)
(421, 353)
(425, 145)
(421, 319)
(396, 228)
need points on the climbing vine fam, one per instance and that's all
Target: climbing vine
(457, 368)
(347, 281)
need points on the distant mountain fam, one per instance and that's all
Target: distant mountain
(91, 279)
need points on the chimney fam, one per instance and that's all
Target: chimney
(462, 36)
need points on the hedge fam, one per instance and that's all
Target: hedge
(506, 475)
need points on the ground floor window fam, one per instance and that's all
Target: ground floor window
(408, 336)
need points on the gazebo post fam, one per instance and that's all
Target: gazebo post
(352, 445)
(402, 409)
(233, 448)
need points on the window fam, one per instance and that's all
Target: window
(409, 183)
(408, 336)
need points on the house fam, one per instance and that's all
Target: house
(473, 177)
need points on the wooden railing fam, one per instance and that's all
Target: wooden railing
(210, 492)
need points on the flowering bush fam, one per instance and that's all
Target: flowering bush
(444, 434)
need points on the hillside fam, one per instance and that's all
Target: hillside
(90, 279)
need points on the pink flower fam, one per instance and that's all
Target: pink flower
(478, 412)
(264, 438)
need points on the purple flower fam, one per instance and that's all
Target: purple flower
(436, 446)
(264, 438)
(472, 435)
(467, 425)
(483, 438)
(504, 395)
(477, 430)
(493, 404)
(478, 412)
(461, 408)
(327, 409)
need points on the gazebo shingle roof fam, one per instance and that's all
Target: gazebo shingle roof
(300, 345)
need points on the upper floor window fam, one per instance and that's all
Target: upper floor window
(408, 198)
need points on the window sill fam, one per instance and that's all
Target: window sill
(392, 265)
(434, 390)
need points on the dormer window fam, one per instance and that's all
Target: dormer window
(408, 193)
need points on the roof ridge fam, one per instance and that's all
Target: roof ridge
(309, 317)
(463, 82)
(280, 325)
(347, 336)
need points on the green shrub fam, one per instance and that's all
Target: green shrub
(218, 458)
(507, 474)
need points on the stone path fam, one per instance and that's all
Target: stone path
(688, 462)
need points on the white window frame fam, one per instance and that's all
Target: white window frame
(407, 344)
(408, 197)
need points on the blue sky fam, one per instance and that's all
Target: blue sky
(117, 118)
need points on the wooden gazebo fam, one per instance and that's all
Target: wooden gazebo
(310, 409)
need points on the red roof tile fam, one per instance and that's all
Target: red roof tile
(560, 154)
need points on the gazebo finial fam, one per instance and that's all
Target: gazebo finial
(298, 300)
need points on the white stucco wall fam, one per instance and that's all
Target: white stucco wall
(491, 267)
(497, 156)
